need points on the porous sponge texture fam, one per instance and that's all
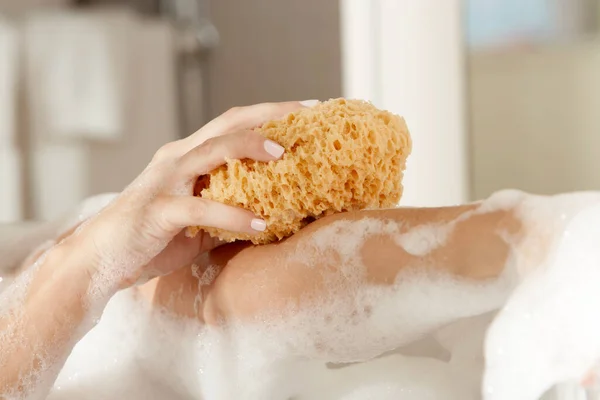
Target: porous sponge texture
(341, 155)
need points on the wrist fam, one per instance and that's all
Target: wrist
(106, 266)
(76, 256)
(63, 276)
(81, 259)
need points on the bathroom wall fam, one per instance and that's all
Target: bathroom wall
(56, 174)
(273, 51)
(534, 119)
(268, 51)
(19, 6)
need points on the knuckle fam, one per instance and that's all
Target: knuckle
(247, 140)
(200, 160)
(157, 208)
(155, 214)
(252, 136)
(207, 147)
(196, 210)
(198, 155)
(232, 112)
(272, 109)
(164, 152)
(205, 153)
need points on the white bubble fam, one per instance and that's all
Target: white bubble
(550, 333)
(423, 239)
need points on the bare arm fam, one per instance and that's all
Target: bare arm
(461, 241)
(40, 330)
(474, 248)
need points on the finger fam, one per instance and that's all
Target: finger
(213, 153)
(182, 251)
(239, 118)
(178, 212)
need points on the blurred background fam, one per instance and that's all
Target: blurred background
(497, 93)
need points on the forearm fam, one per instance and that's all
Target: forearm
(464, 241)
(45, 320)
(467, 243)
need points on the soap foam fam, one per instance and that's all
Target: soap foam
(549, 331)
(356, 323)
(104, 364)
(423, 239)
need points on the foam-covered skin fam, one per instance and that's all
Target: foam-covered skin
(341, 155)
(549, 330)
(385, 303)
(346, 289)
(293, 299)
(358, 268)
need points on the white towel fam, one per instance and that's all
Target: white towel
(77, 73)
(59, 178)
(66, 168)
(11, 206)
(152, 118)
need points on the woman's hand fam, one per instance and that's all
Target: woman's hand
(140, 233)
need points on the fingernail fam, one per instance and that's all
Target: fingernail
(258, 224)
(273, 148)
(309, 103)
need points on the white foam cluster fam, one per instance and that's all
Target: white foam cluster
(549, 330)
(158, 356)
(104, 364)
(423, 239)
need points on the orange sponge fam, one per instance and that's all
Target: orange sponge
(341, 155)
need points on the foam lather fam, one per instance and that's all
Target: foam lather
(341, 155)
